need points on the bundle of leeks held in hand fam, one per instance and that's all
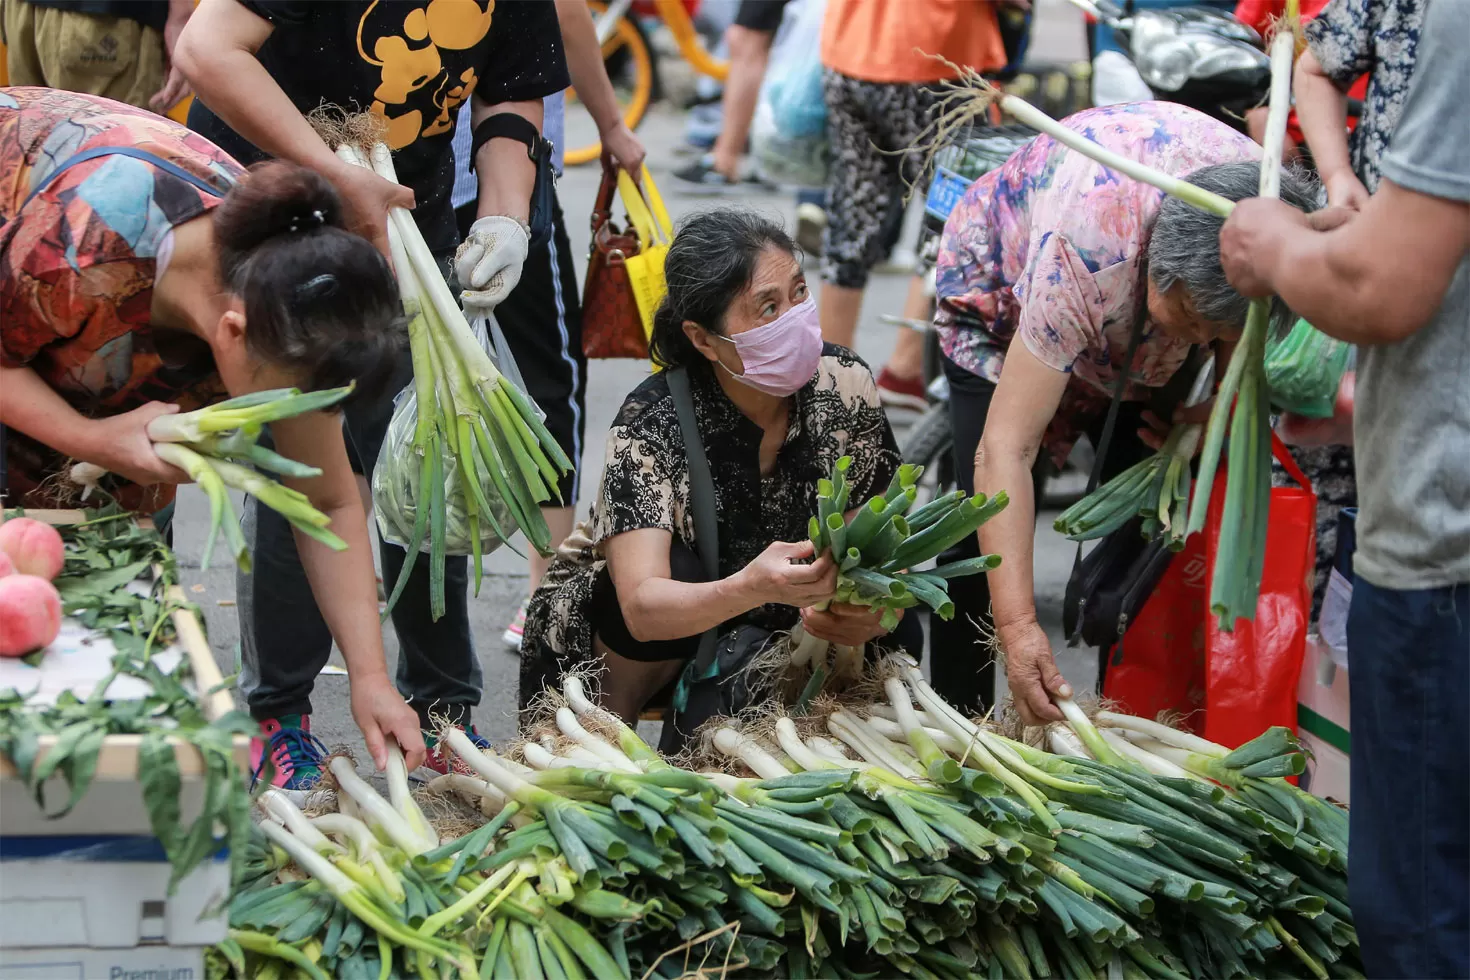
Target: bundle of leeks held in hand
(878, 552)
(473, 461)
(877, 838)
(218, 447)
(1156, 489)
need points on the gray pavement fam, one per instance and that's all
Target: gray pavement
(1058, 37)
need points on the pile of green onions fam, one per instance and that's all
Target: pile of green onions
(1156, 489)
(879, 550)
(480, 447)
(871, 838)
(218, 447)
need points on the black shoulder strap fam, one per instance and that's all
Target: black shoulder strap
(702, 499)
(125, 151)
(1106, 440)
(1117, 403)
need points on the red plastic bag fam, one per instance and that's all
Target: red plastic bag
(1232, 686)
(1251, 674)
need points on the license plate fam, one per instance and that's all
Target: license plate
(945, 191)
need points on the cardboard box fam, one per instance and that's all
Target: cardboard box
(142, 963)
(1323, 723)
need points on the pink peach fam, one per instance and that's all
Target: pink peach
(34, 548)
(30, 614)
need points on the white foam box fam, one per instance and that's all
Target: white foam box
(143, 963)
(1323, 723)
(113, 805)
(56, 893)
(80, 893)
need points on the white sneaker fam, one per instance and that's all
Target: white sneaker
(811, 221)
(903, 259)
(516, 631)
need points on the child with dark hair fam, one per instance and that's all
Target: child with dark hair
(143, 271)
(259, 66)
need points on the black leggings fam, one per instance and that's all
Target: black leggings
(607, 613)
(963, 669)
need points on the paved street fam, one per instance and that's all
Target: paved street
(1058, 38)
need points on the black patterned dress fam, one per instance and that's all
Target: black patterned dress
(1351, 38)
(645, 484)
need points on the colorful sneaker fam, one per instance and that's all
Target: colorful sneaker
(288, 755)
(516, 631)
(896, 392)
(443, 761)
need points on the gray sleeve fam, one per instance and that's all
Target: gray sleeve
(1430, 150)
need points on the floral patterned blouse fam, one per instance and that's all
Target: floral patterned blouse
(645, 484)
(78, 260)
(1052, 247)
(1378, 38)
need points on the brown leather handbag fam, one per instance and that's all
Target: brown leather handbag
(611, 326)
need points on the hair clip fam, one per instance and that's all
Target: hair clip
(315, 219)
(315, 288)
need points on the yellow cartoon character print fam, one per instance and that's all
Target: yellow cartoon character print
(417, 94)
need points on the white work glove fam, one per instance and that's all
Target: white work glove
(488, 262)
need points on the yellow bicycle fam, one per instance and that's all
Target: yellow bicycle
(630, 59)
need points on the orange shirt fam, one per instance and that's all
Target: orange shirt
(889, 40)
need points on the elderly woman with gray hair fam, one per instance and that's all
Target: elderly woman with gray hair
(1045, 267)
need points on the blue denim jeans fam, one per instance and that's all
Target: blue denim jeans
(1409, 850)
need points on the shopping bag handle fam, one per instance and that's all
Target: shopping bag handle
(1283, 456)
(646, 209)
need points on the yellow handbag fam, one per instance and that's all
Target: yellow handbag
(655, 231)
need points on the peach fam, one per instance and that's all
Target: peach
(34, 548)
(7, 567)
(30, 614)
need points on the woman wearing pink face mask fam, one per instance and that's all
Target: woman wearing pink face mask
(775, 408)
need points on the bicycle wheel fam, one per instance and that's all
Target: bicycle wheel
(928, 443)
(630, 66)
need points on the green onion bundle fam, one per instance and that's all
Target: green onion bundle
(880, 548)
(479, 461)
(218, 447)
(1304, 370)
(1156, 489)
(1245, 397)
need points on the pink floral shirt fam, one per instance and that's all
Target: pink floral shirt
(1053, 246)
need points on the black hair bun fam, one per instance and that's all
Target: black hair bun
(275, 198)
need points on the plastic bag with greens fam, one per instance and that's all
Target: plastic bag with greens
(1304, 369)
(396, 490)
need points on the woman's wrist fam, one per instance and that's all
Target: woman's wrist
(739, 590)
(84, 439)
(1017, 625)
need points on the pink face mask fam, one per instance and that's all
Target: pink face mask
(781, 356)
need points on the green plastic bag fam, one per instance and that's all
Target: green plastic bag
(1304, 369)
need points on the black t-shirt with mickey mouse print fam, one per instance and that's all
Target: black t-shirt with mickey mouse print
(413, 62)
